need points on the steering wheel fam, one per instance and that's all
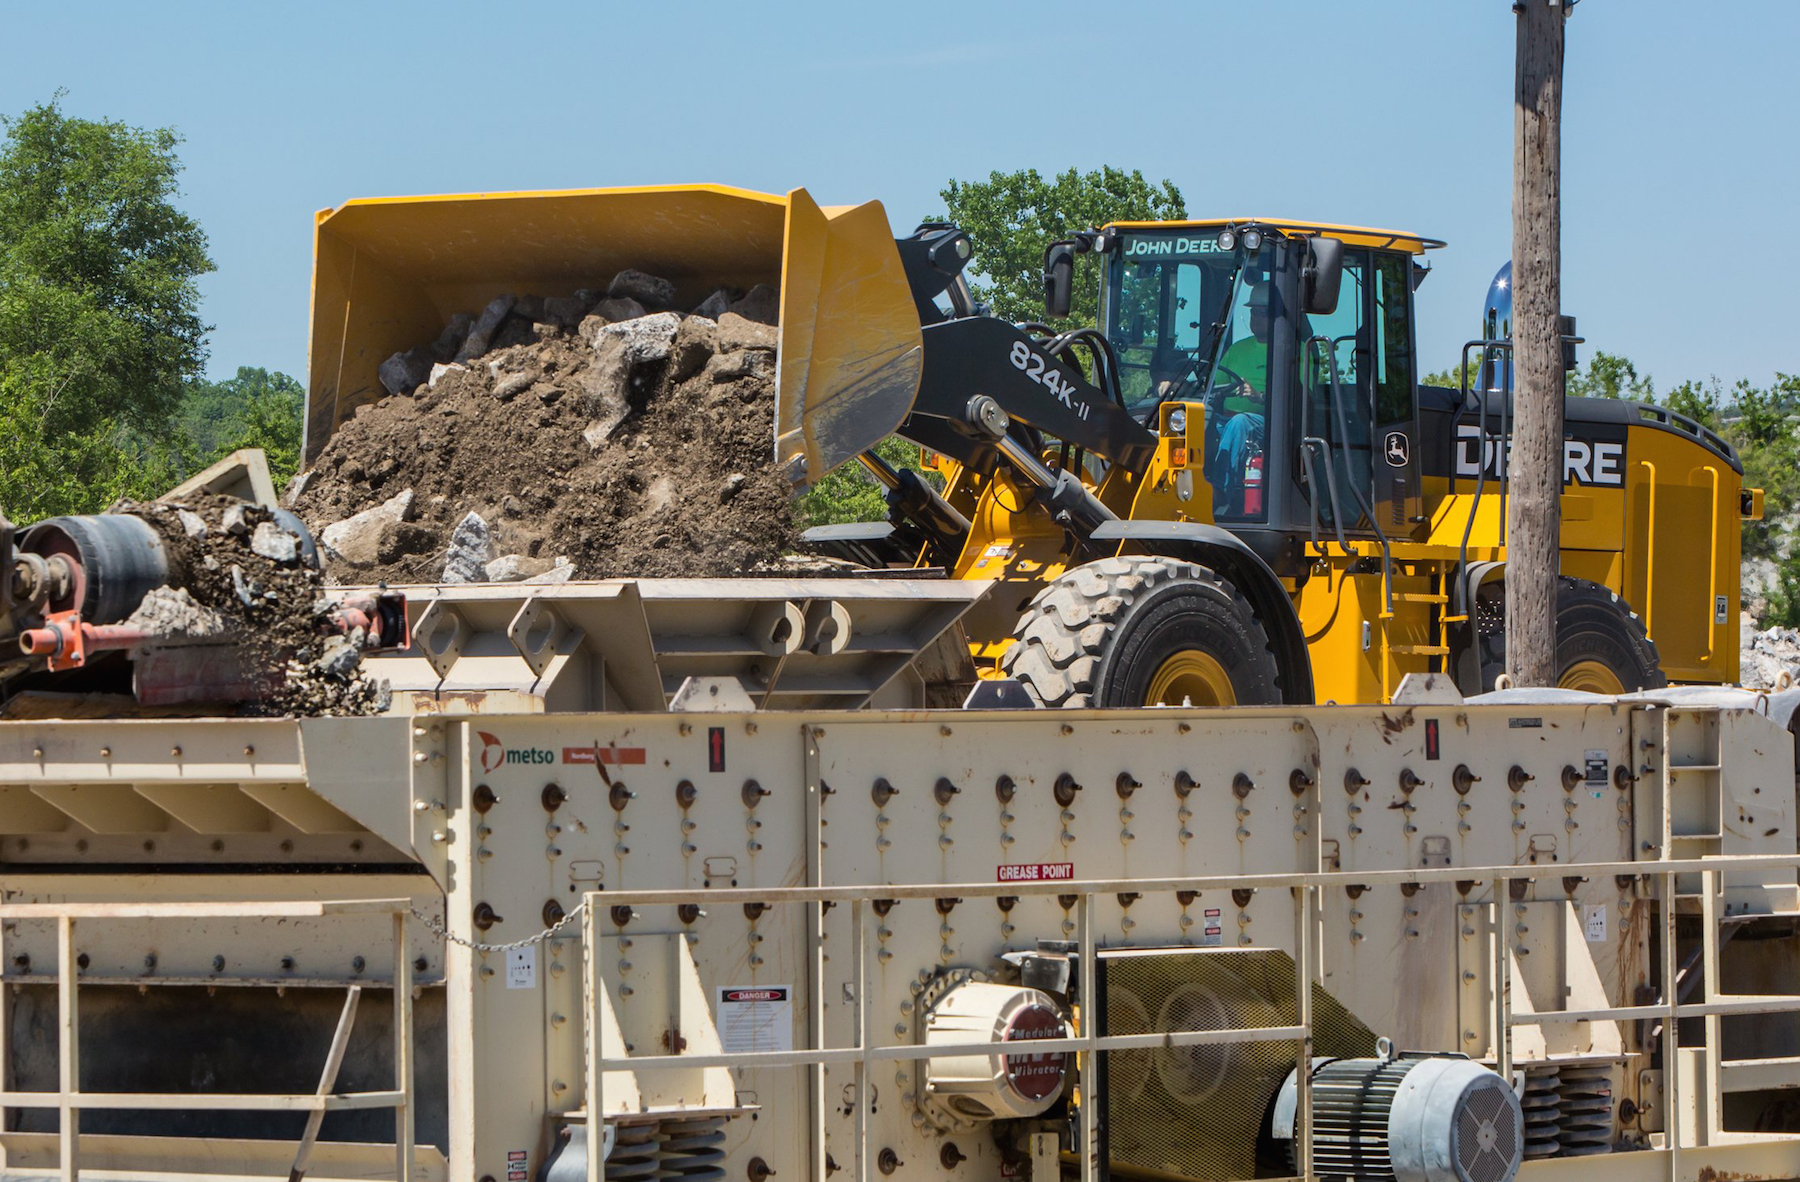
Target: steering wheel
(1237, 379)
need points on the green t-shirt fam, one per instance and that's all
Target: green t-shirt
(1248, 359)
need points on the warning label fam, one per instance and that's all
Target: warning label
(1212, 928)
(756, 1018)
(1035, 872)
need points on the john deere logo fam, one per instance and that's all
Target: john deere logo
(494, 753)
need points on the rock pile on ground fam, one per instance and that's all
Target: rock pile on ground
(242, 578)
(596, 435)
(1765, 657)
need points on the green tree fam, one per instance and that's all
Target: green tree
(1608, 375)
(1451, 379)
(849, 493)
(1761, 424)
(99, 310)
(1703, 402)
(257, 408)
(1013, 216)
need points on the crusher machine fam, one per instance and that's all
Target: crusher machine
(679, 883)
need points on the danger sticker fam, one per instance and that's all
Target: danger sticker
(1035, 872)
(755, 1018)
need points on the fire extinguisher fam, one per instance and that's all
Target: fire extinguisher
(1253, 485)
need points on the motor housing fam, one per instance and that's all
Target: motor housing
(1408, 1118)
(1001, 1085)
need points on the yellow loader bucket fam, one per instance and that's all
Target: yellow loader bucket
(388, 273)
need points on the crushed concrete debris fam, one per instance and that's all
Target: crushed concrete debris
(602, 427)
(357, 539)
(649, 290)
(515, 568)
(471, 549)
(1768, 659)
(171, 612)
(272, 610)
(274, 543)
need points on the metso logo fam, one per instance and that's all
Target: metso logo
(494, 753)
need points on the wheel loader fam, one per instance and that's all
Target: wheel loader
(1233, 489)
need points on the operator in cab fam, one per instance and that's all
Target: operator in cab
(1236, 405)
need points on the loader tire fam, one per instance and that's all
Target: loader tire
(1142, 631)
(1601, 644)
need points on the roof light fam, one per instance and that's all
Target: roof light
(1227, 239)
(1253, 240)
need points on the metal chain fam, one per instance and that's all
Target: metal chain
(446, 934)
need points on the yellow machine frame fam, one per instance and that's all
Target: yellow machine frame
(1641, 541)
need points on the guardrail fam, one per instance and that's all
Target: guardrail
(1305, 887)
(70, 1101)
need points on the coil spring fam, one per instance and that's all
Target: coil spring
(635, 1153)
(1586, 1096)
(1542, 1105)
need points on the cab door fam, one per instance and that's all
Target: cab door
(1357, 375)
(1336, 401)
(1399, 505)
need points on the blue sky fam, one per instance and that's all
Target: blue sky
(1680, 168)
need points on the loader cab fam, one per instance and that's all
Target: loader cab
(1311, 413)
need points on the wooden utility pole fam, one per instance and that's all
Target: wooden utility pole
(1534, 471)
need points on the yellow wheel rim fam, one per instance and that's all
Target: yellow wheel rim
(1191, 678)
(1592, 676)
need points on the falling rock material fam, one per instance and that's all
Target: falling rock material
(236, 521)
(274, 543)
(482, 333)
(171, 613)
(515, 568)
(714, 305)
(647, 338)
(562, 572)
(649, 290)
(471, 549)
(438, 372)
(357, 539)
(760, 304)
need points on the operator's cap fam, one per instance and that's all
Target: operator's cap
(1259, 295)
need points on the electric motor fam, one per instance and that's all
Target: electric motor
(1407, 1119)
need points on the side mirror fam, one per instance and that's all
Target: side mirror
(1322, 275)
(1059, 278)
